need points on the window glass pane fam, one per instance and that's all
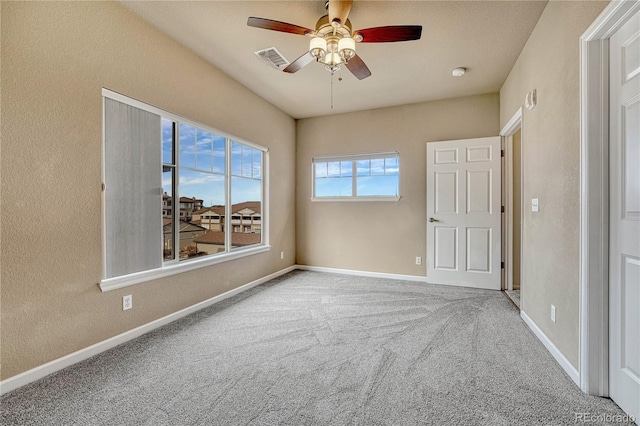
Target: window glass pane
(247, 159)
(364, 167)
(204, 150)
(246, 207)
(334, 187)
(377, 186)
(346, 168)
(333, 169)
(236, 159)
(257, 164)
(219, 143)
(321, 170)
(167, 141)
(391, 167)
(187, 146)
(199, 193)
(377, 166)
(167, 213)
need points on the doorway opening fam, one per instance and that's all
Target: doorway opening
(512, 138)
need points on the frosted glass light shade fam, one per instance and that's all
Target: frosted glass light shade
(332, 59)
(347, 48)
(318, 47)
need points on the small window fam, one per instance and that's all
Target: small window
(357, 177)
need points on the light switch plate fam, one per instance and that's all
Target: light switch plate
(535, 205)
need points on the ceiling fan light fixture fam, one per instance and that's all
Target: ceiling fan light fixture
(347, 48)
(318, 47)
(332, 59)
(333, 41)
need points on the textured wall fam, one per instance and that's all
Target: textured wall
(380, 236)
(56, 58)
(549, 63)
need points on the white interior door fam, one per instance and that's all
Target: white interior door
(624, 216)
(463, 212)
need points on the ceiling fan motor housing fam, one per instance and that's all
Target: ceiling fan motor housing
(323, 26)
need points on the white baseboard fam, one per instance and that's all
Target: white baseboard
(41, 371)
(44, 370)
(555, 352)
(363, 273)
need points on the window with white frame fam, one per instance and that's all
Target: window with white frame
(357, 177)
(166, 179)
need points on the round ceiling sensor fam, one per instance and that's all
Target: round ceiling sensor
(458, 72)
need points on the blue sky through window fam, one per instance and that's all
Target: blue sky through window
(373, 177)
(203, 164)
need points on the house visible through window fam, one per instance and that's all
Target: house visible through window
(367, 176)
(201, 180)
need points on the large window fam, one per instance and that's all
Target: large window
(176, 193)
(357, 177)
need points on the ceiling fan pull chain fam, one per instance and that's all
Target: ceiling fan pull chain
(331, 90)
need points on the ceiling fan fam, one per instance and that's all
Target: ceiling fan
(333, 43)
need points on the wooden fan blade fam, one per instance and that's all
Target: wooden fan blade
(358, 68)
(389, 34)
(299, 63)
(270, 24)
(339, 10)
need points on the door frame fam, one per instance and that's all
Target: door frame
(512, 126)
(594, 195)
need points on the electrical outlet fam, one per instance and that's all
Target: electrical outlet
(127, 302)
(281, 255)
(418, 260)
(553, 313)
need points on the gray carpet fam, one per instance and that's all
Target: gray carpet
(321, 349)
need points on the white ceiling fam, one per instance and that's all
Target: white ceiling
(486, 37)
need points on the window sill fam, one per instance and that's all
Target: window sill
(177, 268)
(331, 199)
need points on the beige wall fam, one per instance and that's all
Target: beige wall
(380, 236)
(549, 63)
(56, 58)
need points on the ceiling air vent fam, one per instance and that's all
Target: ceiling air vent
(272, 57)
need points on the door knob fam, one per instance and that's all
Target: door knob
(433, 220)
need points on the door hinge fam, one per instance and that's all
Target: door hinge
(501, 265)
(501, 209)
(103, 187)
(502, 153)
